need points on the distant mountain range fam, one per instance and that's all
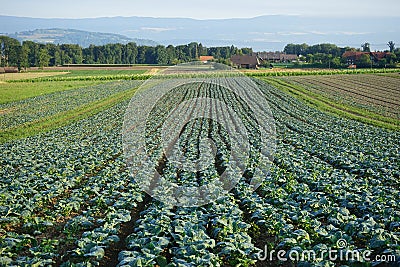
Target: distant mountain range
(268, 33)
(70, 36)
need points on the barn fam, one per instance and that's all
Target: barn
(245, 61)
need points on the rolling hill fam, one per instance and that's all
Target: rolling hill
(71, 36)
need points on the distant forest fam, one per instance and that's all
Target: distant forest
(30, 54)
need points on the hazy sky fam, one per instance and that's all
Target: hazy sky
(199, 9)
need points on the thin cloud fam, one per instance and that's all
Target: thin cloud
(157, 29)
(354, 33)
(266, 40)
(319, 33)
(262, 33)
(131, 31)
(292, 33)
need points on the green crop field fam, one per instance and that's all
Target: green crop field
(101, 72)
(67, 197)
(22, 90)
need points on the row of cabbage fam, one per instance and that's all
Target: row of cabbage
(216, 234)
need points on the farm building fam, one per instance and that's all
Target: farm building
(246, 61)
(288, 57)
(376, 56)
(206, 59)
(353, 56)
(277, 57)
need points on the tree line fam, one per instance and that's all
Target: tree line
(30, 54)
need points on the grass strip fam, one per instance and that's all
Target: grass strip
(322, 103)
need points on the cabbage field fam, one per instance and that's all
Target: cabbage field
(67, 197)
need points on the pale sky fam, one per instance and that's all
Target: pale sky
(198, 9)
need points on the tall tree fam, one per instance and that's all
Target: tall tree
(141, 56)
(88, 54)
(246, 50)
(71, 54)
(391, 45)
(24, 56)
(366, 47)
(161, 55)
(54, 53)
(193, 50)
(171, 55)
(298, 49)
(10, 49)
(330, 49)
(150, 56)
(33, 53)
(364, 61)
(202, 50)
(131, 53)
(44, 58)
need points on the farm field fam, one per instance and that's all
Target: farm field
(379, 94)
(16, 91)
(310, 71)
(369, 98)
(67, 198)
(27, 75)
(73, 72)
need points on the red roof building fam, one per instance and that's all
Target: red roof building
(379, 55)
(277, 57)
(205, 59)
(353, 56)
